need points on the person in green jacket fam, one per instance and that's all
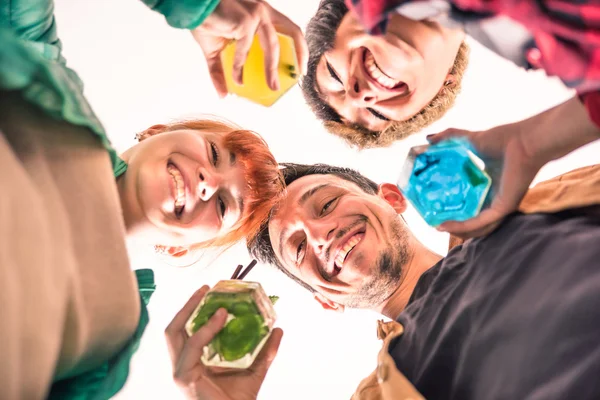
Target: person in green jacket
(72, 310)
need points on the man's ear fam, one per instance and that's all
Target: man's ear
(153, 130)
(392, 195)
(328, 304)
(450, 80)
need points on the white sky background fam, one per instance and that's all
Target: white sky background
(138, 72)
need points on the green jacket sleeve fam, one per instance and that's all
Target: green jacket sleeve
(183, 14)
(33, 20)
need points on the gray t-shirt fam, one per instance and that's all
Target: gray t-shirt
(514, 315)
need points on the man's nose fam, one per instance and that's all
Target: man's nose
(321, 234)
(208, 184)
(361, 93)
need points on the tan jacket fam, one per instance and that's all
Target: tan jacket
(68, 298)
(578, 189)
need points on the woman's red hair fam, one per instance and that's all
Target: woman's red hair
(264, 181)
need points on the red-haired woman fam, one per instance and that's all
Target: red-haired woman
(72, 310)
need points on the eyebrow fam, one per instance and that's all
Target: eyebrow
(283, 234)
(309, 193)
(364, 123)
(333, 73)
(240, 203)
(377, 114)
(239, 199)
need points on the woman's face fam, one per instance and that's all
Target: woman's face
(181, 187)
(374, 80)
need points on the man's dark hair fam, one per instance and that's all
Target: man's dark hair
(260, 247)
(320, 37)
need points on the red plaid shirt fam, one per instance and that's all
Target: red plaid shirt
(566, 33)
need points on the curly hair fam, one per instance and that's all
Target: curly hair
(320, 36)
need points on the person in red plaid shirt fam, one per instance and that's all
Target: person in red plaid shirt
(380, 70)
(374, 89)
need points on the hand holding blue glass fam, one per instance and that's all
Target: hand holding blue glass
(446, 181)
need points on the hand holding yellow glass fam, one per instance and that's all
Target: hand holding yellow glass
(255, 87)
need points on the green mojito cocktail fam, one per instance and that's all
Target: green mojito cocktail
(249, 324)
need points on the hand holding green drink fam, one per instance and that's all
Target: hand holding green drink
(250, 319)
(237, 382)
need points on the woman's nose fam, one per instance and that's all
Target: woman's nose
(208, 184)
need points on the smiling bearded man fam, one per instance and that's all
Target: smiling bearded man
(383, 278)
(513, 314)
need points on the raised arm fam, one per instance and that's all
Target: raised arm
(214, 23)
(33, 20)
(183, 14)
(517, 151)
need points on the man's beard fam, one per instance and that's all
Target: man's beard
(386, 277)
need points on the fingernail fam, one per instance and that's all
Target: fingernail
(221, 313)
(274, 84)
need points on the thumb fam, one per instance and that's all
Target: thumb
(447, 134)
(482, 224)
(267, 355)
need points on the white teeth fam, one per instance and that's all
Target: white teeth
(341, 256)
(377, 74)
(179, 188)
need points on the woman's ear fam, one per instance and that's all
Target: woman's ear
(153, 130)
(328, 304)
(172, 251)
(392, 195)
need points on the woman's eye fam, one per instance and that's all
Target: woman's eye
(215, 153)
(327, 205)
(377, 114)
(333, 74)
(222, 207)
(300, 250)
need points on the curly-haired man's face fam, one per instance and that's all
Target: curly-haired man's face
(375, 80)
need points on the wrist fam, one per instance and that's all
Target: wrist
(219, 21)
(557, 131)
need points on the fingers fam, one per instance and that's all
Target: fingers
(175, 331)
(514, 183)
(301, 51)
(267, 355)
(192, 350)
(215, 69)
(447, 134)
(242, 48)
(270, 45)
(506, 201)
(484, 223)
(285, 26)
